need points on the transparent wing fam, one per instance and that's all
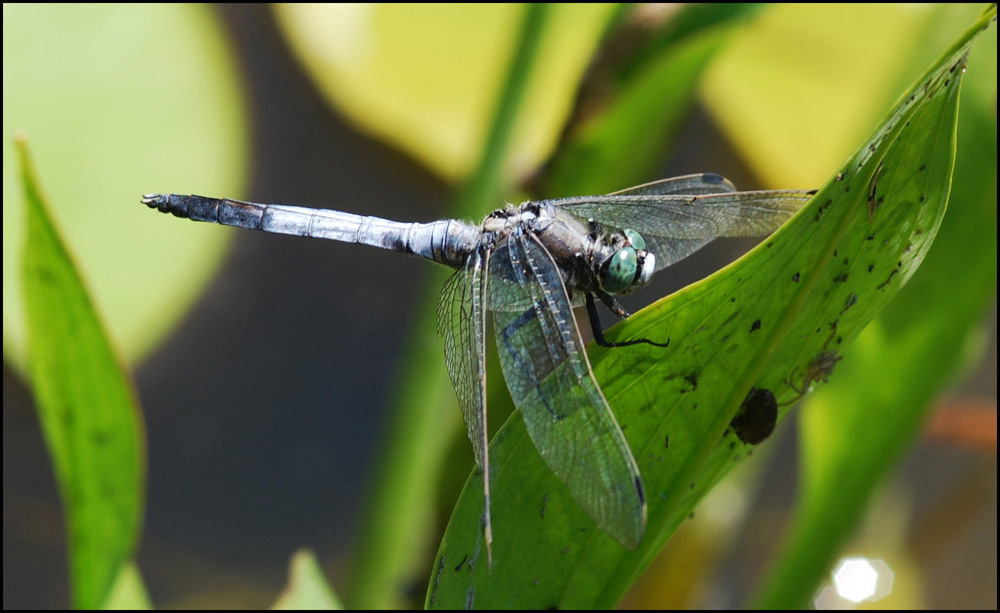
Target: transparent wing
(551, 382)
(674, 225)
(461, 319)
(689, 185)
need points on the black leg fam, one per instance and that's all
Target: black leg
(595, 326)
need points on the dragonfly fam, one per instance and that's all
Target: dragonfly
(530, 265)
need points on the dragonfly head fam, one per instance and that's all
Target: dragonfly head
(630, 267)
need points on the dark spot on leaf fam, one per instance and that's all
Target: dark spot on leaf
(922, 166)
(459, 566)
(870, 237)
(692, 379)
(846, 261)
(871, 267)
(757, 418)
(755, 326)
(822, 209)
(852, 299)
(769, 244)
(886, 282)
(840, 278)
(666, 441)
(437, 579)
(795, 277)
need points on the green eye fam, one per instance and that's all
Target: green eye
(635, 239)
(621, 271)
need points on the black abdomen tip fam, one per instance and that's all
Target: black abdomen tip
(166, 204)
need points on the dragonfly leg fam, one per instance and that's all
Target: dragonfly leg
(595, 324)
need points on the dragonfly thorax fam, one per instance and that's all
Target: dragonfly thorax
(590, 258)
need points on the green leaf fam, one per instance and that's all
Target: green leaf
(808, 289)
(87, 408)
(307, 587)
(855, 430)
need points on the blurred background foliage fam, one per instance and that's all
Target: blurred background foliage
(119, 101)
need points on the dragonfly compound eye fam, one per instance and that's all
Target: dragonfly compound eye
(620, 272)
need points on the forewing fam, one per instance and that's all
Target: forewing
(564, 410)
(461, 319)
(689, 185)
(674, 226)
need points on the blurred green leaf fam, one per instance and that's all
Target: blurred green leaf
(121, 100)
(307, 587)
(649, 91)
(128, 593)
(855, 430)
(86, 405)
(808, 289)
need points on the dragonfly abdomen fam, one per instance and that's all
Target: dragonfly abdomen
(448, 241)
